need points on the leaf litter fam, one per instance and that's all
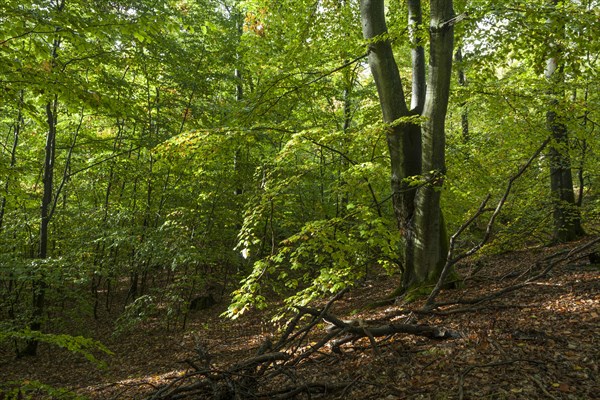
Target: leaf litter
(541, 341)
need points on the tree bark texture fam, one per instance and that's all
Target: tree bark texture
(39, 286)
(566, 215)
(431, 244)
(415, 25)
(415, 150)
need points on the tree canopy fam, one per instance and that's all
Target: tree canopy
(158, 151)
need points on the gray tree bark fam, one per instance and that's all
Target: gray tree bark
(415, 150)
(566, 215)
(415, 26)
(431, 244)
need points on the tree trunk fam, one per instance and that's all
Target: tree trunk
(431, 246)
(39, 286)
(462, 81)
(566, 215)
(415, 24)
(413, 148)
(403, 139)
(13, 157)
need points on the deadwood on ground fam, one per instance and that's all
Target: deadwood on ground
(453, 259)
(527, 277)
(530, 276)
(271, 373)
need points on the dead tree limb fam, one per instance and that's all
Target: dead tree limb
(245, 379)
(288, 334)
(357, 328)
(554, 260)
(310, 388)
(451, 259)
(261, 359)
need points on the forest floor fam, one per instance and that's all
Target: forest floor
(541, 341)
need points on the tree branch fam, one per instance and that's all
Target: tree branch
(451, 260)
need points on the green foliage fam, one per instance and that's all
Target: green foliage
(324, 257)
(139, 311)
(305, 242)
(35, 390)
(190, 132)
(76, 344)
(506, 98)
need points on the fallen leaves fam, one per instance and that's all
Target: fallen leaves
(547, 348)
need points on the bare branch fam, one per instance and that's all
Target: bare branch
(451, 260)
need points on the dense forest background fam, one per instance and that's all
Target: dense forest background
(161, 156)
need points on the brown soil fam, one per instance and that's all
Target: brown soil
(540, 342)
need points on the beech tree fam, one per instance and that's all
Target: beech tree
(155, 150)
(415, 135)
(566, 215)
(547, 44)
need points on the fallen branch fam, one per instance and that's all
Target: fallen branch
(360, 328)
(541, 386)
(477, 308)
(287, 335)
(554, 260)
(278, 362)
(309, 388)
(255, 361)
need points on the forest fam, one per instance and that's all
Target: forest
(299, 199)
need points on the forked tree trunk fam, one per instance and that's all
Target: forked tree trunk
(415, 150)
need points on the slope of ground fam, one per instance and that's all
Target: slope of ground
(539, 342)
